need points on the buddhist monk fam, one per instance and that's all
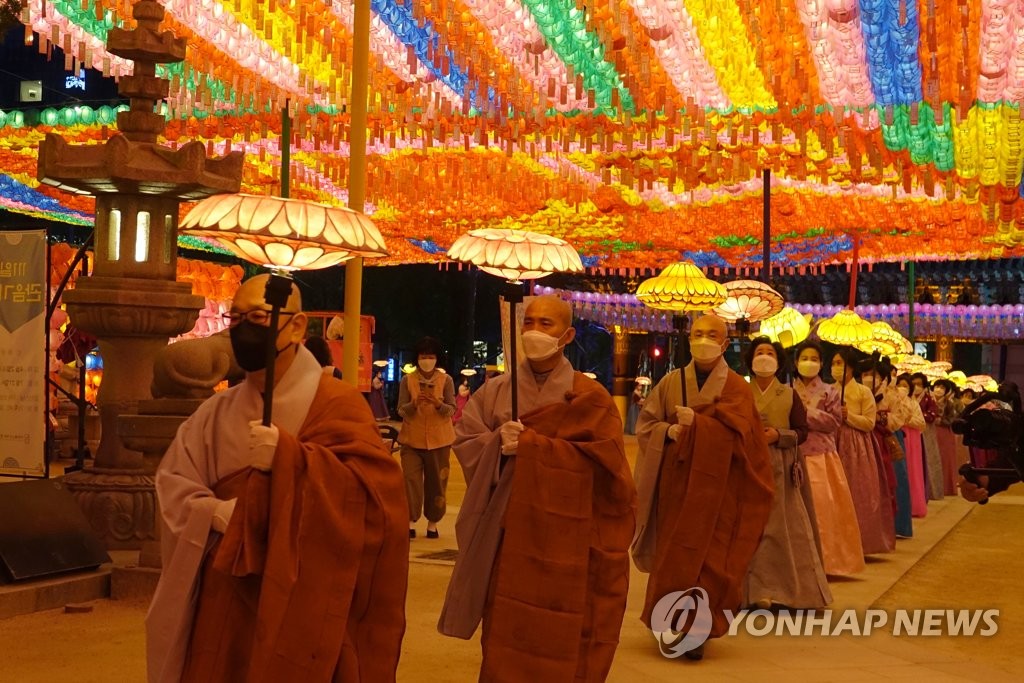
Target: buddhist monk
(285, 554)
(548, 516)
(705, 486)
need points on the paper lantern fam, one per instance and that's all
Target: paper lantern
(789, 327)
(681, 287)
(957, 377)
(885, 340)
(983, 382)
(911, 364)
(933, 372)
(749, 300)
(288, 234)
(845, 328)
(515, 255)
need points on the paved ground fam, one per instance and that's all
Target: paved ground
(962, 557)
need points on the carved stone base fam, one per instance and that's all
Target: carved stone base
(120, 505)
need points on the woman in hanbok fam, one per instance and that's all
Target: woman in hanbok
(378, 404)
(786, 568)
(913, 447)
(841, 550)
(636, 404)
(944, 393)
(865, 472)
(932, 456)
(462, 395)
(890, 416)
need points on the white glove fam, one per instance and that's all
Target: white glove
(674, 431)
(262, 445)
(684, 415)
(222, 514)
(510, 432)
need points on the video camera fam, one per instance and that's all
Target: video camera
(994, 428)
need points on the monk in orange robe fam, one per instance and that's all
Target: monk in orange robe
(285, 553)
(705, 487)
(548, 516)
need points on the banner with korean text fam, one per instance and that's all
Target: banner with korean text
(22, 352)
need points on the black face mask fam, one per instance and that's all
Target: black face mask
(249, 344)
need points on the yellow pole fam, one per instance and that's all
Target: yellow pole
(356, 183)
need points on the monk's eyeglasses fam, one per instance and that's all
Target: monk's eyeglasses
(257, 316)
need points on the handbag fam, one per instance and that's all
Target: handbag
(892, 444)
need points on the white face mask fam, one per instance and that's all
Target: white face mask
(427, 364)
(918, 391)
(705, 350)
(903, 391)
(764, 366)
(540, 346)
(808, 368)
(838, 372)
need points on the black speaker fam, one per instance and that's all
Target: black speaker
(43, 532)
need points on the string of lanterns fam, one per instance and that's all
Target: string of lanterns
(974, 322)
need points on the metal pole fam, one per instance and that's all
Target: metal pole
(766, 239)
(81, 450)
(853, 271)
(356, 183)
(48, 441)
(277, 293)
(514, 295)
(286, 151)
(911, 286)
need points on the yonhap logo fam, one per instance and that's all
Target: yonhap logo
(681, 621)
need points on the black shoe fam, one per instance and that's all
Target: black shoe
(696, 654)
(433, 534)
(412, 533)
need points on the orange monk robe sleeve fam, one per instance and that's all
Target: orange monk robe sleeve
(326, 530)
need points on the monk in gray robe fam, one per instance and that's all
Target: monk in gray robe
(705, 486)
(285, 554)
(546, 523)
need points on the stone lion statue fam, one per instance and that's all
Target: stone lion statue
(193, 367)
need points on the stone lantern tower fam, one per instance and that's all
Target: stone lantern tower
(133, 303)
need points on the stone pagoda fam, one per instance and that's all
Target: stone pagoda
(132, 303)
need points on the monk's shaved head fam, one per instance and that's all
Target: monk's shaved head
(551, 306)
(250, 295)
(710, 324)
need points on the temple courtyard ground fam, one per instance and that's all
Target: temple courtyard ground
(962, 557)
